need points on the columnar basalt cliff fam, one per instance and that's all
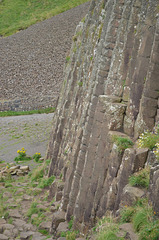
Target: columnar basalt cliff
(110, 88)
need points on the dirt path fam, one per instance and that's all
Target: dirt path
(31, 132)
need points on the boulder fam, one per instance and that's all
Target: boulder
(26, 235)
(45, 225)
(130, 195)
(62, 227)
(3, 237)
(58, 217)
(140, 158)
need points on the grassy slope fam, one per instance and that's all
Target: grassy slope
(12, 113)
(16, 15)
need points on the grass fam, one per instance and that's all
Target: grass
(140, 215)
(12, 113)
(107, 229)
(122, 143)
(19, 14)
(45, 182)
(143, 218)
(141, 178)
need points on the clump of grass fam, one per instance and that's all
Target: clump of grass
(143, 218)
(140, 219)
(67, 59)
(122, 143)
(45, 182)
(44, 231)
(127, 214)
(140, 178)
(150, 231)
(39, 219)
(80, 84)
(33, 209)
(70, 224)
(40, 111)
(71, 235)
(107, 229)
(38, 173)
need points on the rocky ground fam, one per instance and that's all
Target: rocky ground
(32, 60)
(29, 131)
(25, 209)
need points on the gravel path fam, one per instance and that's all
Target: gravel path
(31, 132)
(32, 60)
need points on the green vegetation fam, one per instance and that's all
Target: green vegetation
(141, 215)
(71, 235)
(22, 156)
(44, 232)
(107, 229)
(67, 59)
(36, 157)
(148, 139)
(141, 178)
(12, 113)
(122, 143)
(143, 218)
(127, 214)
(37, 173)
(100, 31)
(70, 224)
(18, 14)
(80, 84)
(45, 182)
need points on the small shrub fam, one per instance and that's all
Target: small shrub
(141, 178)
(36, 157)
(122, 143)
(22, 156)
(67, 59)
(148, 139)
(156, 150)
(80, 84)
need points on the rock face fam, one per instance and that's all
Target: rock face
(111, 87)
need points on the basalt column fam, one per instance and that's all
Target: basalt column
(110, 88)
